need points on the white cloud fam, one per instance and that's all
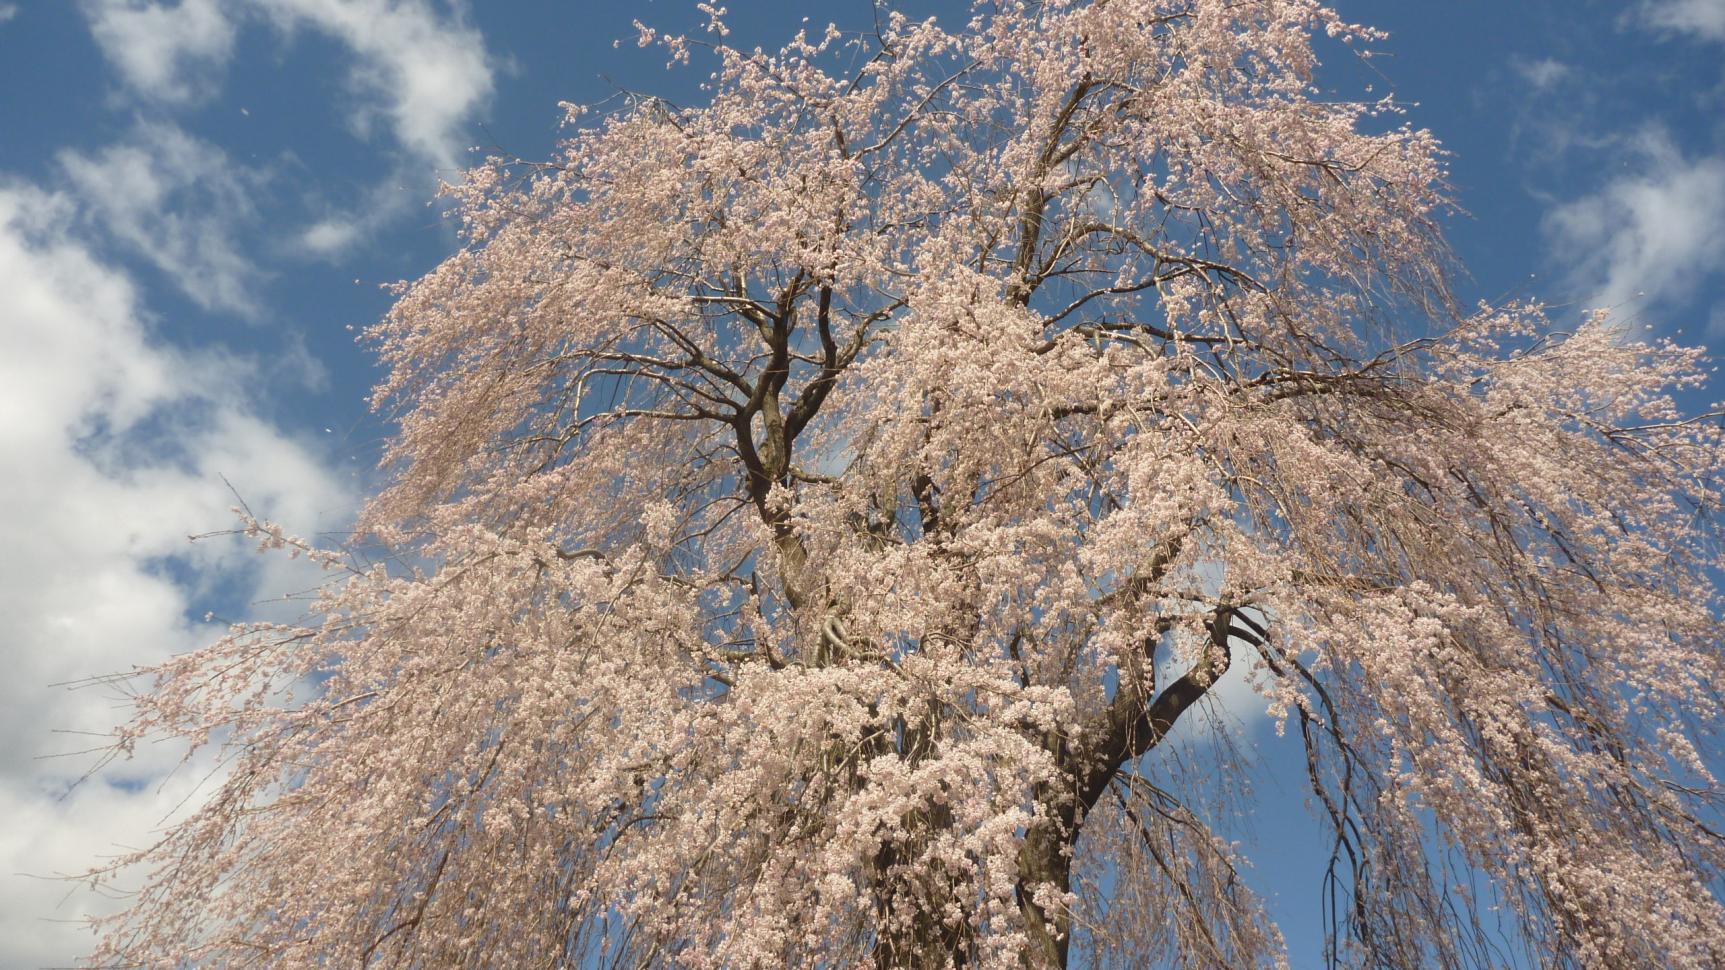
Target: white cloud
(337, 229)
(8, 11)
(164, 53)
(47, 838)
(1653, 233)
(1543, 74)
(329, 237)
(178, 202)
(424, 72)
(114, 446)
(418, 67)
(1703, 18)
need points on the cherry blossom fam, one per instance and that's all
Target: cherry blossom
(812, 511)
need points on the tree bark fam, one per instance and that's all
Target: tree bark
(1045, 860)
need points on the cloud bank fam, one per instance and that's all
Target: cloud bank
(115, 446)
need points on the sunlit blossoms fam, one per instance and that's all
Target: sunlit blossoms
(812, 510)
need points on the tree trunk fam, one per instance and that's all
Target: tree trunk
(1044, 861)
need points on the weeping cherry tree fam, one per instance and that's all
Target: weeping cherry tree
(812, 512)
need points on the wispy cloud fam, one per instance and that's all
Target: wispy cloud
(1652, 234)
(417, 74)
(164, 53)
(329, 237)
(335, 231)
(1702, 18)
(177, 202)
(114, 445)
(417, 68)
(1542, 74)
(8, 11)
(420, 67)
(423, 72)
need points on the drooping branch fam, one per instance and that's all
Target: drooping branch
(1133, 724)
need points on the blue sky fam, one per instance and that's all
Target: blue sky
(199, 200)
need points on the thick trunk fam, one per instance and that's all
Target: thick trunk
(1131, 727)
(1045, 862)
